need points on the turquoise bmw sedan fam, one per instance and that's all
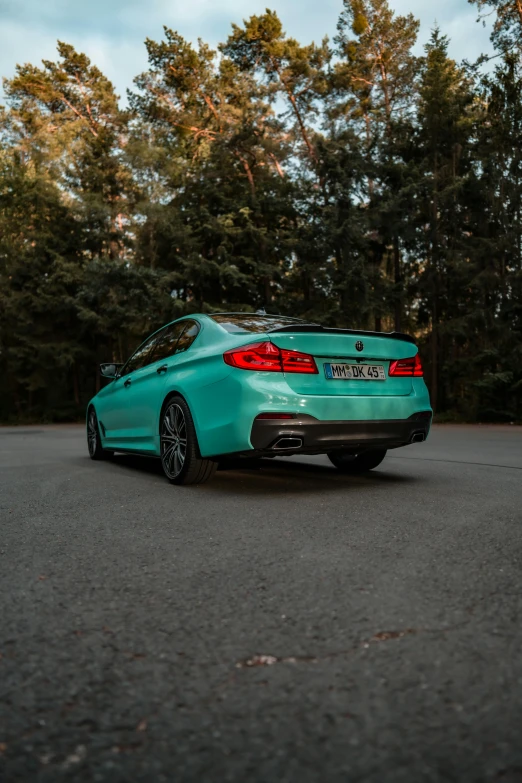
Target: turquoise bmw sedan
(207, 387)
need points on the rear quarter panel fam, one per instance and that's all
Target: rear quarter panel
(198, 376)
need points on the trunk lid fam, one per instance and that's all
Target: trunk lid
(338, 346)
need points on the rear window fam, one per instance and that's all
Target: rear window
(251, 322)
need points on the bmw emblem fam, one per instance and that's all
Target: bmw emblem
(359, 345)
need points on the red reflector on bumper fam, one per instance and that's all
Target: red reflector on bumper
(263, 416)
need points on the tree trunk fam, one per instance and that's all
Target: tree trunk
(13, 387)
(519, 10)
(434, 362)
(302, 127)
(367, 122)
(398, 284)
(268, 292)
(76, 386)
(435, 283)
(248, 172)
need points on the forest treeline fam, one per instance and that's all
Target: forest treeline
(350, 181)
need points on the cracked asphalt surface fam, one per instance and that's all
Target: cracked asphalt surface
(281, 625)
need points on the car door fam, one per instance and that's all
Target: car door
(145, 387)
(113, 400)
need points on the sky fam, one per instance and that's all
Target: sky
(112, 32)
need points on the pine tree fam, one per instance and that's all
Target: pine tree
(223, 154)
(361, 187)
(445, 130)
(497, 228)
(294, 72)
(507, 27)
(374, 89)
(40, 269)
(64, 121)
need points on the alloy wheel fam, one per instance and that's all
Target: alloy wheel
(173, 441)
(92, 434)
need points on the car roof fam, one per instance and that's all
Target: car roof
(259, 315)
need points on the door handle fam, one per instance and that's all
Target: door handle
(127, 382)
(163, 368)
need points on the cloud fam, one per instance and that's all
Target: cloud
(456, 19)
(20, 44)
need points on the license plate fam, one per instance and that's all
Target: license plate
(354, 372)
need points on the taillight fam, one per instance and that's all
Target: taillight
(258, 356)
(293, 361)
(267, 357)
(406, 368)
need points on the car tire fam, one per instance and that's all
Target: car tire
(94, 444)
(359, 463)
(180, 457)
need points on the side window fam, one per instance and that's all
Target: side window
(190, 333)
(139, 358)
(169, 339)
(155, 342)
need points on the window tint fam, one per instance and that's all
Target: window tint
(242, 324)
(139, 358)
(172, 339)
(169, 339)
(189, 335)
(154, 344)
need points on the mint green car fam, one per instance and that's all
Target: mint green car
(208, 387)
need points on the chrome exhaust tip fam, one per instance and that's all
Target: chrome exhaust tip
(418, 437)
(285, 444)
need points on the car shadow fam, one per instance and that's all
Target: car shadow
(300, 477)
(270, 476)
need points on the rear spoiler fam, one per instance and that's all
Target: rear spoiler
(317, 329)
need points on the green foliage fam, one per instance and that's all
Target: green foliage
(295, 73)
(357, 185)
(507, 27)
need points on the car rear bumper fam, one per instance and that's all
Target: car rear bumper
(307, 435)
(224, 412)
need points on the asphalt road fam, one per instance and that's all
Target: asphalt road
(285, 625)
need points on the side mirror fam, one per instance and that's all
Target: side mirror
(110, 371)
